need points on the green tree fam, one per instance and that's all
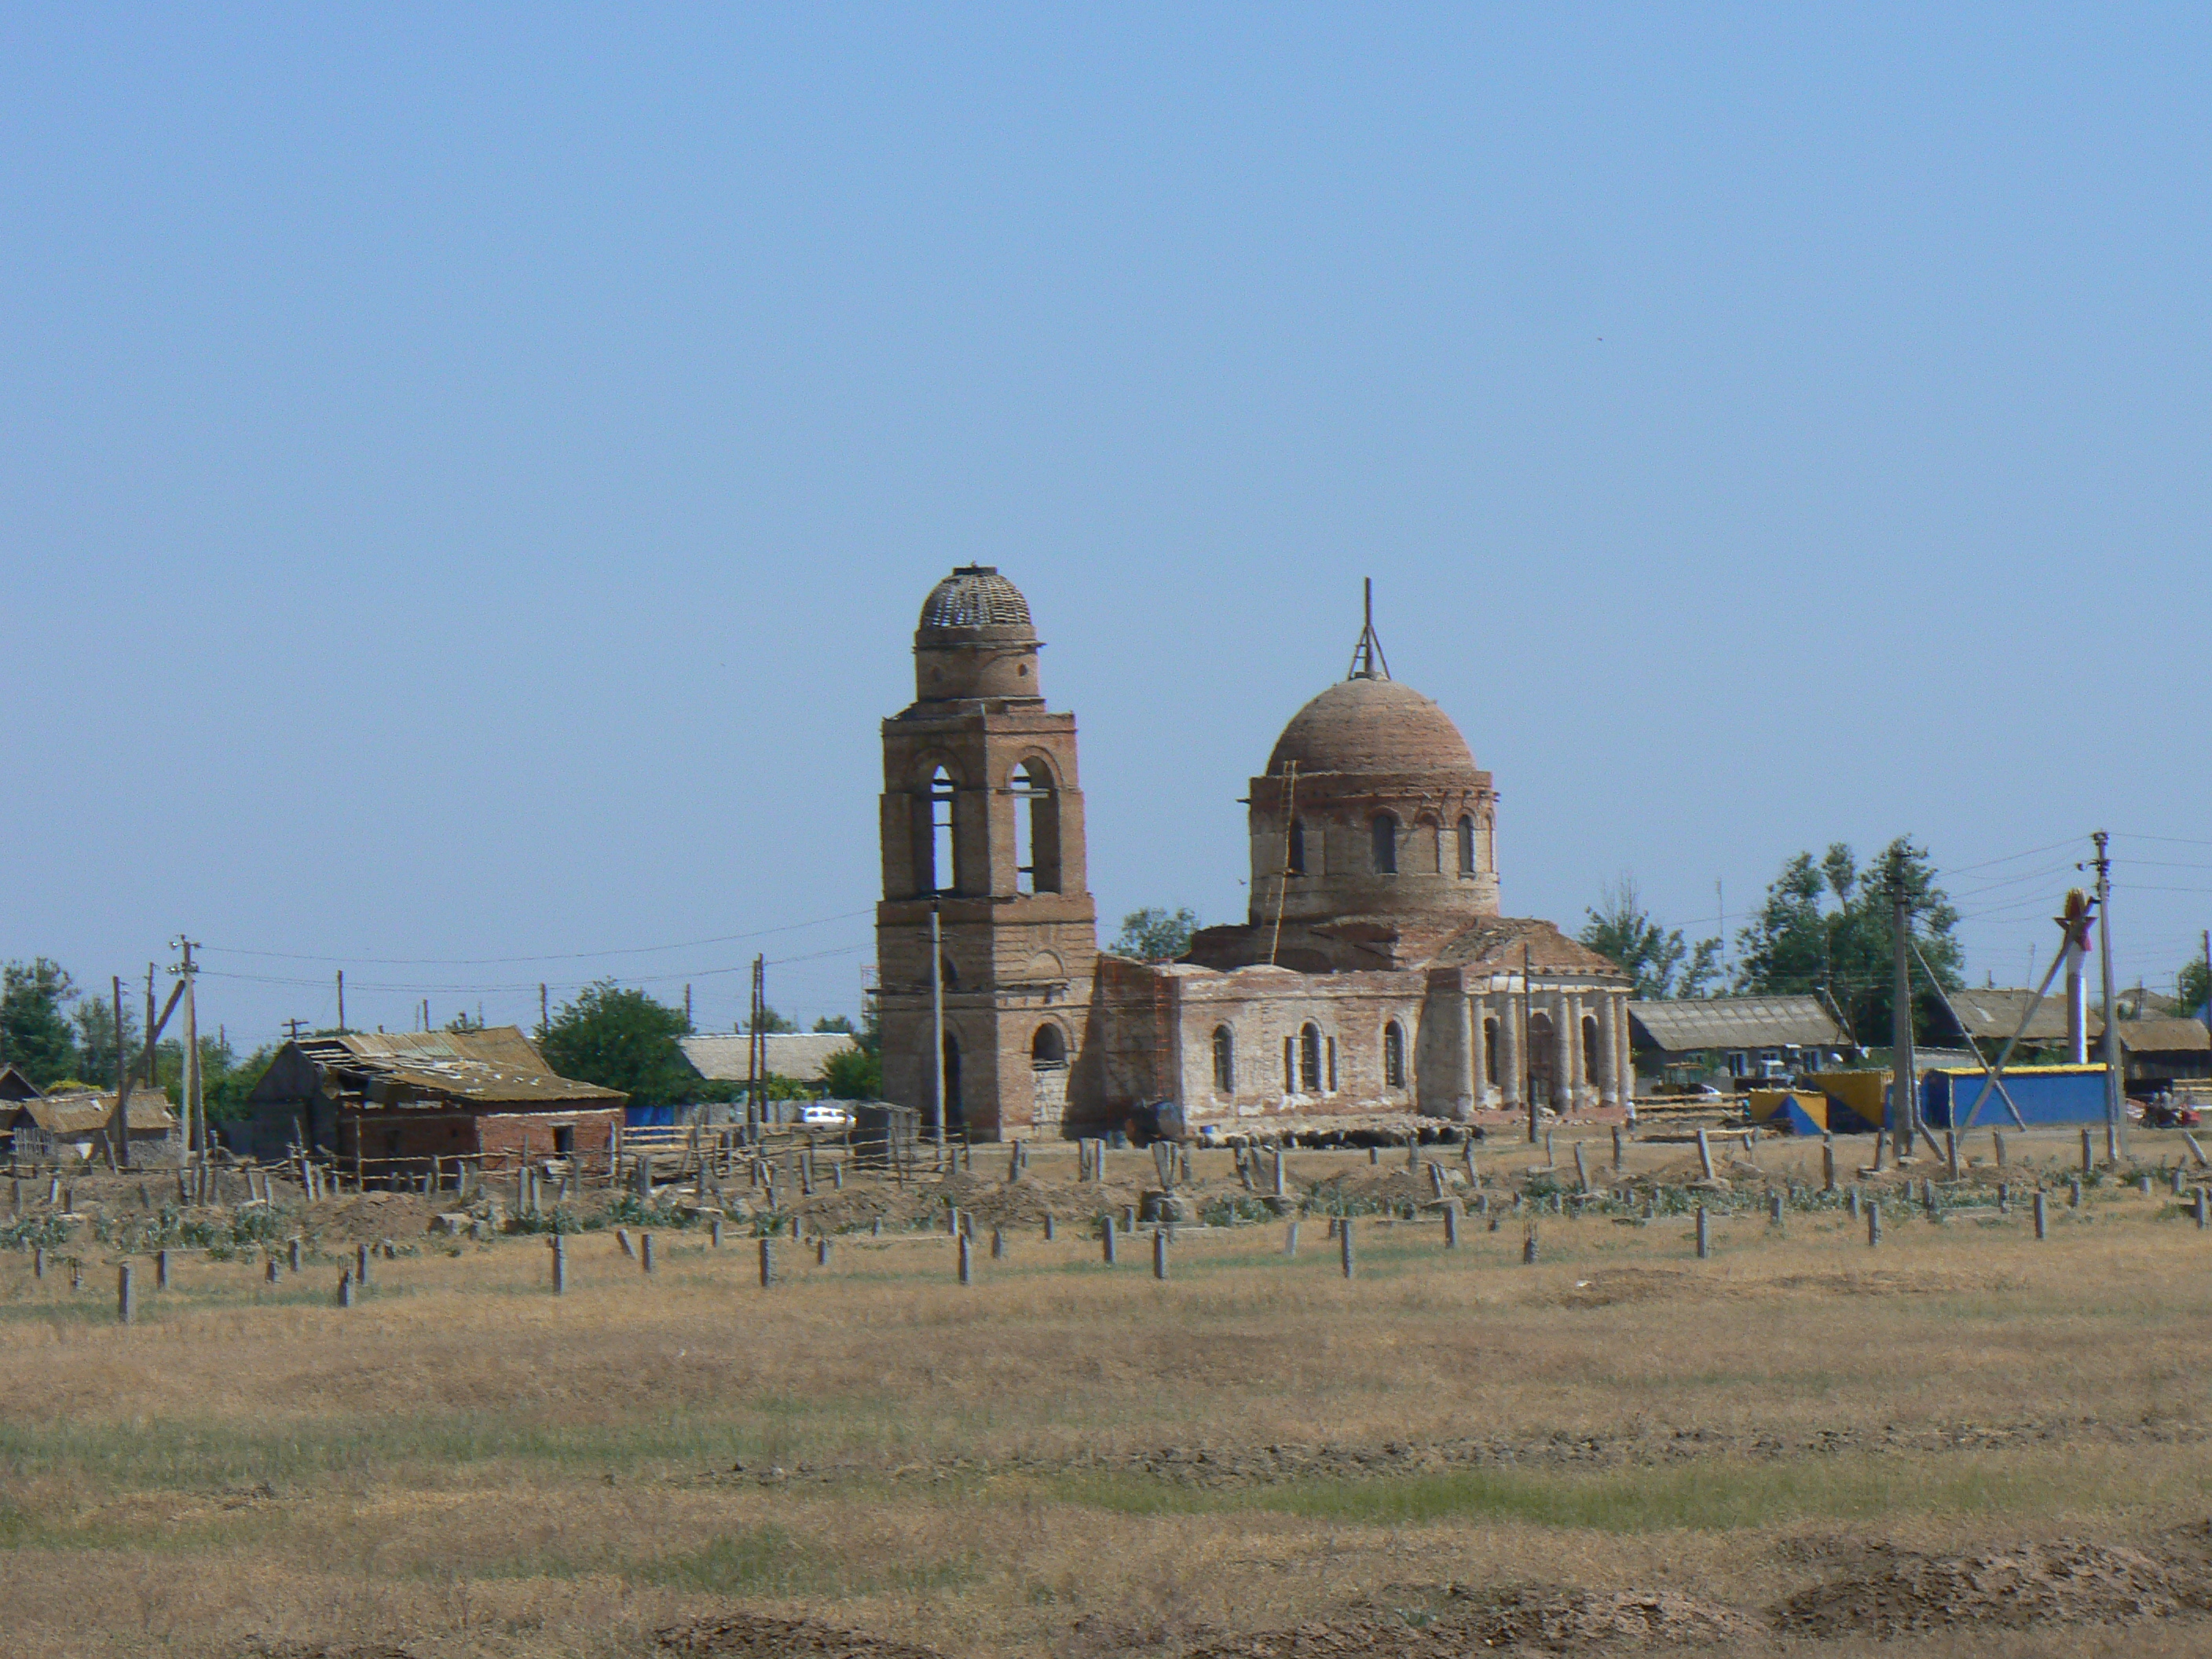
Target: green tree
(1825, 926)
(769, 1021)
(1154, 935)
(94, 1018)
(833, 1022)
(35, 1034)
(1661, 962)
(854, 1074)
(2192, 986)
(622, 1039)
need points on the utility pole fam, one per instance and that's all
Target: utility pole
(341, 1001)
(292, 1030)
(2115, 1095)
(2208, 979)
(545, 1011)
(195, 1110)
(687, 1007)
(151, 1024)
(118, 1142)
(1904, 1079)
(937, 1018)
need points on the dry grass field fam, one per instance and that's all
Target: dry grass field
(1961, 1442)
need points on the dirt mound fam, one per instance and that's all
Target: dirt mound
(2065, 1581)
(367, 1218)
(1544, 1618)
(755, 1636)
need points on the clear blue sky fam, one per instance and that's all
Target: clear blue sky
(468, 475)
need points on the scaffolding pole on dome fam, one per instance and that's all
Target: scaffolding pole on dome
(1367, 662)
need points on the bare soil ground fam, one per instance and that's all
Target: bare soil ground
(1964, 1441)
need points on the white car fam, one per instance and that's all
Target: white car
(825, 1116)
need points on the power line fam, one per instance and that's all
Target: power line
(569, 955)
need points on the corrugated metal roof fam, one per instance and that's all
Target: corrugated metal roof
(1735, 1022)
(798, 1056)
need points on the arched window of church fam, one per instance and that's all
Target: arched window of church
(1393, 1056)
(1490, 1052)
(1383, 829)
(1224, 1061)
(1049, 1047)
(1036, 827)
(944, 859)
(1294, 859)
(1309, 1059)
(1465, 845)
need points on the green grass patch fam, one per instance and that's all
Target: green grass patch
(1717, 1496)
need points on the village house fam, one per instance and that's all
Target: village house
(62, 1128)
(397, 1101)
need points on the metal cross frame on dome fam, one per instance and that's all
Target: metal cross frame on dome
(1367, 662)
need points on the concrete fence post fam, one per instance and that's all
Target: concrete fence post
(1291, 1239)
(360, 1265)
(967, 1264)
(822, 1251)
(645, 1259)
(293, 1248)
(126, 1295)
(1106, 1239)
(560, 1265)
(1704, 1234)
(345, 1289)
(1160, 1254)
(160, 1270)
(2042, 1213)
(1451, 1225)
(767, 1262)
(1345, 1245)
(1874, 1224)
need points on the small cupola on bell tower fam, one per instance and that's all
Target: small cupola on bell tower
(976, 640)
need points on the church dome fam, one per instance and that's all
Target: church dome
(975, 597)
(1370, 724)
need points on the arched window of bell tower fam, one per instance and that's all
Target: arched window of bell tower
(944, 847)
(1036, 827)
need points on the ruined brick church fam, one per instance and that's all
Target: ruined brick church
(1374, 974)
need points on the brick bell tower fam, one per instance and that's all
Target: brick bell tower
(983, 827)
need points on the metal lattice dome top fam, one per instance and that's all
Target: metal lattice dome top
(975, 597)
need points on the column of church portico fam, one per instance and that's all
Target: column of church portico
(1566, 1051)
(1625, 1039)
(1510, 1036)
(1608, 1049)
(1478, 1046)
(1578, 1091)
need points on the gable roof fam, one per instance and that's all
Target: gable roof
(2162, 1036)
(1695, 1024)
(1994, 1014)
(14, 1085)
(497, 1065)
(88, 1114)
(1498, 943)
(798, 1056)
